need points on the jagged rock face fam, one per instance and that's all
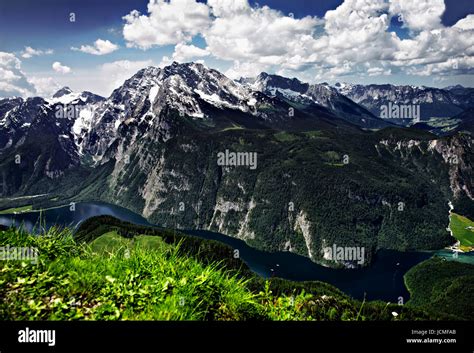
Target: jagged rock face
(16, 117)
(434, 102)
(456, 152)
(181, 86)
(462, 96)
(40, 134)
(145, 98)
(144, 106)
(264, 82)
(313, 96)
(34, 144)
(22, 118)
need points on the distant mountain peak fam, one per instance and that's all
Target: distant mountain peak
(312, 96)
(263, 75)
(67, 96)
(458, 86)
(62, 92)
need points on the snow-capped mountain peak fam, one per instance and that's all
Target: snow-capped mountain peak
(66, 96)
(311, 96)
(158, 103)
(183, 86)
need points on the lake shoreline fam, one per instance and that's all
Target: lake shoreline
(383, 280)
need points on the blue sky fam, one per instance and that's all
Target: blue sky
(295, 38)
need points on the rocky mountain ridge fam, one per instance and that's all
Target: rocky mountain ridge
(152, 146)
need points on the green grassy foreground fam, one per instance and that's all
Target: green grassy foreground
(463, 230)
(120, 273)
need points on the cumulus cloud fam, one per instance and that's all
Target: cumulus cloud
(13, 81)
(166, 23)
(223, 8)
(100, 47)
(418, 15)
(183, 52)
(354, 38)
(434, 46)
(62, 69)
(461, 65)
(356, 32)
(29, 52)
(9, 60)
(466, 23)
(45, 86)
(264, 36)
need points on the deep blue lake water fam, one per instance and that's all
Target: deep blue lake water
(383, 280)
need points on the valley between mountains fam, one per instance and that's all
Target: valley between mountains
(329, 169)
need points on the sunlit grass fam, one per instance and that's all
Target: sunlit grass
(115, 278)
(463, 230)
(146, 278)
(17, 209)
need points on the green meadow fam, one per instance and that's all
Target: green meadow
(110, 270)
(463, 230)
(17, 209)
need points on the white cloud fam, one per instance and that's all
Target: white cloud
(245, 69)
(8, 75)
(45, 86)
(222, 8)
(443, 51)
(58, 67)
(100, 79)
(165, 61)
(30, 52)
(166, 23)
(13, 81)
(100, 47)
(183, 52)
(9, 60)
(461, 65)
(420, 14)
(355, 33)
(377, 71)
(353, 39)
(245, 34)
(465, 23)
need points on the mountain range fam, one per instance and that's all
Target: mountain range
(436, 105)
(330, 169)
